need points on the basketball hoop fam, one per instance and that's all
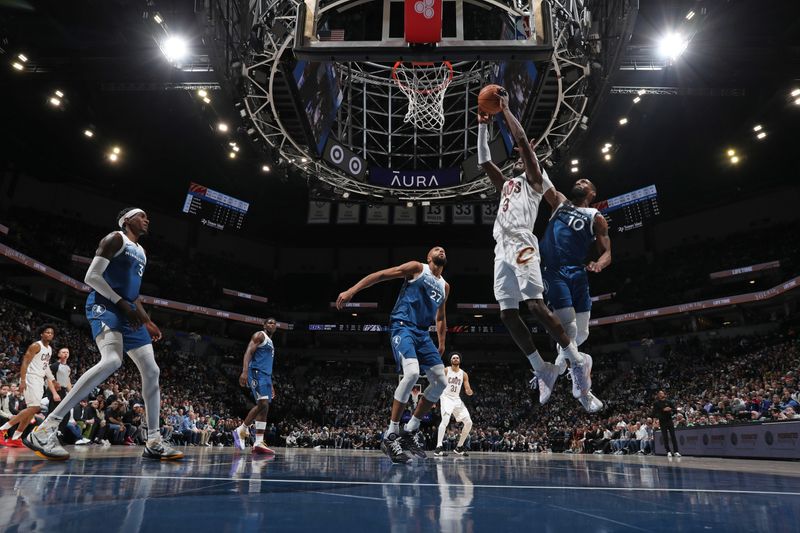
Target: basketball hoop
(424, 84)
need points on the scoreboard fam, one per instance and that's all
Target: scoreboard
(215, 209)
(629, 211)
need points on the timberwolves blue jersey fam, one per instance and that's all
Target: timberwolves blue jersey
(568, 236)
(124, 272)
(419, 300)
(264, 356)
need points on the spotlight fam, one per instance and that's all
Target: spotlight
(605, 149)
(232, 155)
(640, 92)
(637, 100)
(175, 48)
(623, 121)
(796, 92)
(574, 170)
(113, 158)
(232, 143)
(672, 45)
(797, 102)
(690, 15)
(607, 157)
(305, 160)
(607, 145)
(235, 148)
(22, 57)
(574, 162)
(158, 18)
(202, 93)
(55, 102)
(731, 152)
(757, 127)
(752, 281)
(207, 100)
(88, 133)
(17, 65)
(762, 135)
(409, 204)
(222, 127)
(59, 94)
(354, 314)
(116, 150)
(478, 316)
(345, 195)
(264, 168)
(735, 159)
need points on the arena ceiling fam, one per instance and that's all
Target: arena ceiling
(737, 72)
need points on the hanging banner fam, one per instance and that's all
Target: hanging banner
(348, 213)
(433, 214)
(488, 213)
(406, 216)
(319, 212)
(463, 214)
(377, 214)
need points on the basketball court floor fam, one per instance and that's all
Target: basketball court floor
(214, 489)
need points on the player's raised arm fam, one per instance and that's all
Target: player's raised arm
(406, 270)
(532, 171)
(603, 244)
(467, 387)
(441, 320)
(552, 195)
(255, 340)
(485, 154)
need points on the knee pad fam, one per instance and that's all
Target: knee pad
(582, 323)
(437, 382)
(410, 377)
(566, 316)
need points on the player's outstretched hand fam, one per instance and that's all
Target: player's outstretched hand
(243, 379)
(502, 95)
(153, 330)
(483, 117)
(343, 298)
(593, 266)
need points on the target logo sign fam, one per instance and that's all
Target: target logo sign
(424, 8)
(345, 159)
(356, 165)
(337, 154)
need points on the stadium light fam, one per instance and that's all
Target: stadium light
(607, 157)
(305, 160)
(22, 57)
(175, 48)
(202, 93)
(640, 92)
(113, 157)
(235, 148)
(54, 101)
(761, 135)
(17, 65)
(158, 18)
(731, 152)
(354, 314)
(605, 149)
(796, 92)
(672, 45)
(88, 133)
(735, 159)
(757, 127)
(477, 316)
(623, 121)
(690, 15)
(116, 150)
(797, 102)
(574, 162)
(232, 155)
(409, 204)
(222, 127)
(345, 195)
(59, 94)
(637, 100)
(207, 100)
(264, 168)
(574, 170)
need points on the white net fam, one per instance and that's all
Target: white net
(424, 84)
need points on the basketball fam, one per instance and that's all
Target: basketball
(488, 102)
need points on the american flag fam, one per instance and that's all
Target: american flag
(331, 35)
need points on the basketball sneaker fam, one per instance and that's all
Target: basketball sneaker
(161, 451)
(581, 375)
(439, 452)
(544, 381)
(414, 442)
(390, 445)
(460, 450)
(240, 437)
(44, 441)
(561, 362)
(261, 447)
(591, 403)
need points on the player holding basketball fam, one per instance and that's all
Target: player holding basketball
(573, 228)
(119, 325)
(517, 276)
(452, 405)
(257, 374)
(420, 304)
(35, 369)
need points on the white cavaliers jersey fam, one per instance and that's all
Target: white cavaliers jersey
(40, 364)
(454, 382)
(519, 206)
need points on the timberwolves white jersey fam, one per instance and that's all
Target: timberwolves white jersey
(454, 382)
(40, 364)
(519, 206)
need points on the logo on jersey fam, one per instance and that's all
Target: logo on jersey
(254, 383)
(98, 310)
(526, 255)
(396, 341)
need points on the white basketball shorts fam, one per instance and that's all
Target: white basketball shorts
(517, 273)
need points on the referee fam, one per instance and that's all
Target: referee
(663, 410)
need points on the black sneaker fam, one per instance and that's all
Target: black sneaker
(414, 442)
(461, 451)
(390, 445)
(439, 452)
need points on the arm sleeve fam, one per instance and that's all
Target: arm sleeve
(484, 154)
(94, 278)
(546, 183)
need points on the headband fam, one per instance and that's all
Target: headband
(124, 218)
